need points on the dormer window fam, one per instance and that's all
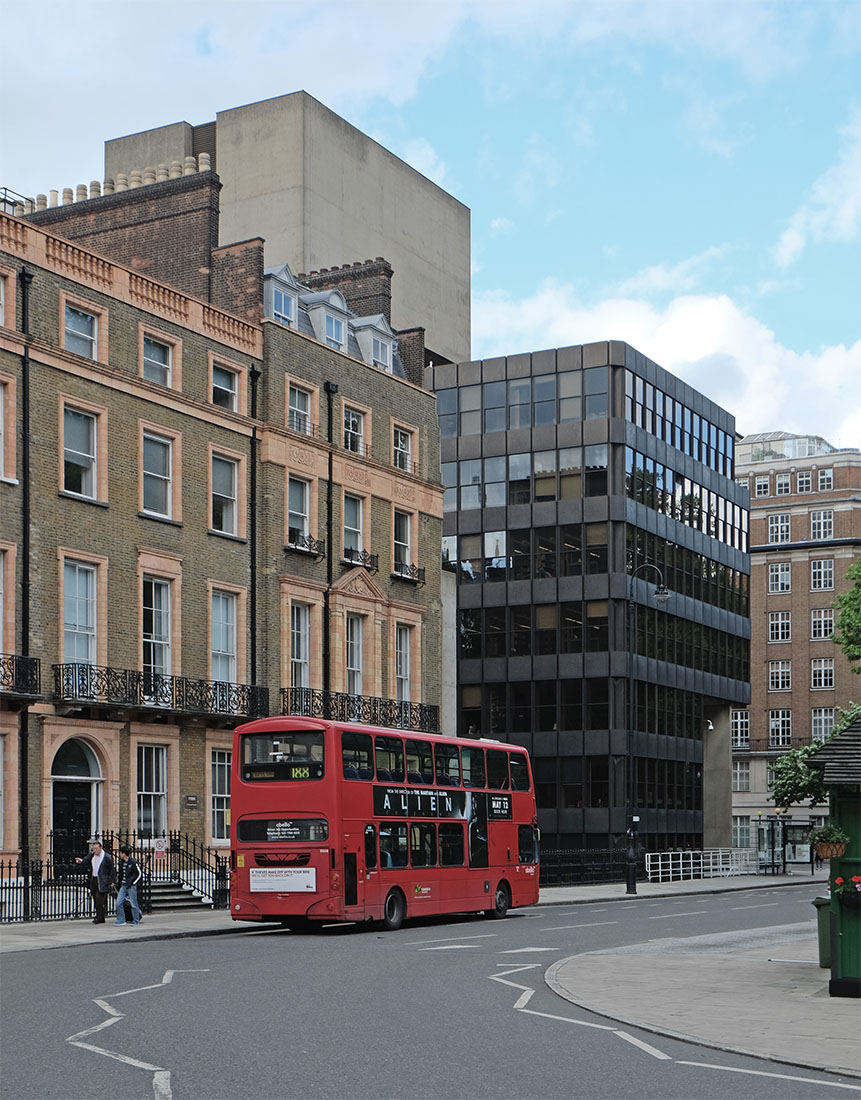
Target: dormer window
(283, 307)
(382, 354)
(334, 332)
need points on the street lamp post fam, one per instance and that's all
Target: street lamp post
(660, 596)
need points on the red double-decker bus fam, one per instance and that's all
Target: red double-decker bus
(335, 821)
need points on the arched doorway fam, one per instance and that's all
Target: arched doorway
(76, 800)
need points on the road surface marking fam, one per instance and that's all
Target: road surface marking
(594, 924)
(527, 950)
(451, 947)
(161, 1077)
(567, 1020)
(670, 916)
(458, 939)
(779, 1076)
(655, 1053)
(523, 999)
(762, 905)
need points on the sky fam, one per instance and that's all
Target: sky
(684, 175)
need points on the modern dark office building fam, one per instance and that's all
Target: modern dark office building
(579, 484)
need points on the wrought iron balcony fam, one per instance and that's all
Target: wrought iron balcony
(123, 687)
(370, 710)
(19, 675)
(306, 544)
(404, 571)
(362, 557)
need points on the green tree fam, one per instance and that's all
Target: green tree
(795, 780)
(848, 625)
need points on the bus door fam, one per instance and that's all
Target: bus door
(354, 892)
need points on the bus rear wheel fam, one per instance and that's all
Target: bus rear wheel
(502, 902)
(394, 911)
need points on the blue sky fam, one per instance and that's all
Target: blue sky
(681, 174)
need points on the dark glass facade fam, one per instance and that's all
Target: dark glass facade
(574, 478)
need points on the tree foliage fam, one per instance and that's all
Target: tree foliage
(795, 780)
(848, 623)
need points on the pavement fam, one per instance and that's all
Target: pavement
(767, 997)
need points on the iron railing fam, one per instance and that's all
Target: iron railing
(306, 544)
(127, 687)
(406, 571)
(362, 557)
(771, 744)
(338, 706)
(56, 889)
(19, 675)
(584, 866)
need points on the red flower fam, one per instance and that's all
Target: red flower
(838, 881)
(856, 878)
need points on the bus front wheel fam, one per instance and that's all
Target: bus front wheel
(394, 911)
(502, 901)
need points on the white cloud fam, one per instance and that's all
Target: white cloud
(708, 340)
(684, 275)
(833, 210)
(501, 225)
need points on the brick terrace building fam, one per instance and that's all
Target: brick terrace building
(574, 480)
(805, 525)
(205, 514)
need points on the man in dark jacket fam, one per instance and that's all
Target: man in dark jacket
(102, 877)
(130, 876)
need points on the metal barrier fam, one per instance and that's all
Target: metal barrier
(709, 863)
(56, 888)
(582, 866)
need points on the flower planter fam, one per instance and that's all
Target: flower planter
(829, 849)
(849, 899)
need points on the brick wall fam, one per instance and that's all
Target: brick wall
(165, 230)
(366, 286)
(411, 348)
(237, 279)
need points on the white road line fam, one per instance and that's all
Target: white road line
(161, 1077)
(527, 950)
(524, 999)
(671, 916)
(451, 947)
(517, 969)
(779, 1076)
(458, 939)
(655, 1053)
(594, 924)
(567, 1020)
(762, 905)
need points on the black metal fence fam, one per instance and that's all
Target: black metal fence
(371, 710)
(584, 866)
(56, 889)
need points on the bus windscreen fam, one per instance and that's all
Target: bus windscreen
(283, 755)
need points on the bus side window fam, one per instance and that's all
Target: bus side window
(473, 767)
(389, 753)
(370, 847)
(527, 844)
(497, 770)
(451, 845)
(393, 844)
(419, 762)
(423, 845)
(447, 765)
(519, 772)
(356, 755)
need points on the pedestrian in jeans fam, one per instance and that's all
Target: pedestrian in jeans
(130, 876)
(103, 876)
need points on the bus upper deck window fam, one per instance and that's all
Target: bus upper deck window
(473, 767)
(389, 753)
(497, 770)
(419, 762)
(447, 765)
(357, 755)
(519, 772)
